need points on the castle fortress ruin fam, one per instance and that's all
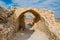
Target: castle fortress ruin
(43, 21)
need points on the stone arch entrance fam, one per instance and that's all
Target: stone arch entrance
(46, 15)
(35, 20)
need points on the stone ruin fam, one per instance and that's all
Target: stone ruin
(43, 20)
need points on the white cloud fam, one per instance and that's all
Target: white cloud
(30, 2)
(48, 1)
(3, 4)
(34, 3)
(24, 2)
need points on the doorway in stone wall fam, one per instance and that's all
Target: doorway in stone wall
(29, 17)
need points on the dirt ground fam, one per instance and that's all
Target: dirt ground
(22, 35)
(30, 35)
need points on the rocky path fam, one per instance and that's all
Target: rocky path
(30, 35)
(23, 35)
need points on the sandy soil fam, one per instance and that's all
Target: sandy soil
(57, 20)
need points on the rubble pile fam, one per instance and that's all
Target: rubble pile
(6, 32)
(6, 25)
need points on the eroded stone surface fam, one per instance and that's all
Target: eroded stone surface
(44, 21)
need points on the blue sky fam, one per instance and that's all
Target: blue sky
(48, 4)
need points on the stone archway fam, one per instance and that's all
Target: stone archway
(22, 23)
(37, 16)
(46, 15)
